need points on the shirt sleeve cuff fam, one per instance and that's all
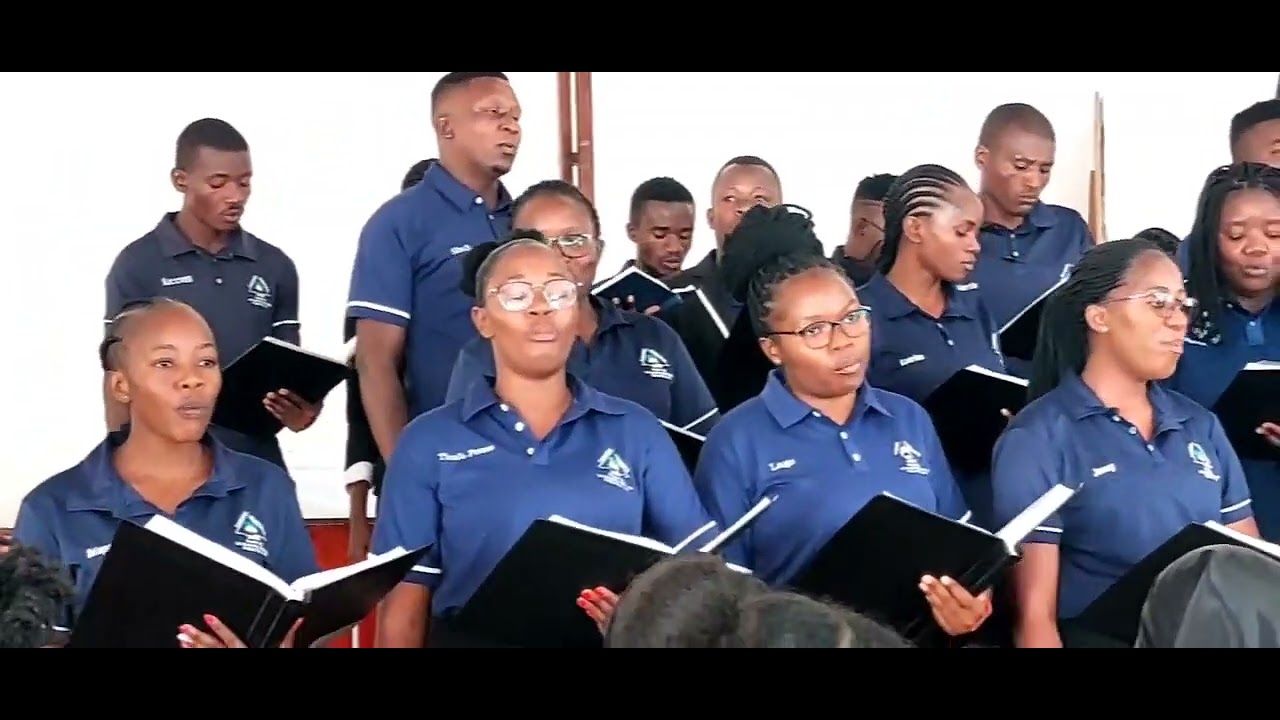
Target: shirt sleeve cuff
(1045, 535)
(361, 472)
(1236, 512)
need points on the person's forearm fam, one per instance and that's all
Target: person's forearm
(1039, 634)
(358, 499)
(384, 404)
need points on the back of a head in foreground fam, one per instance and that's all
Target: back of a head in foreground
(790, 620)
(690, 601)
(1216, 597)
(32, 595)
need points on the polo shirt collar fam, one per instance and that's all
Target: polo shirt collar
(460, 196)
(788, 410)
(174, 243)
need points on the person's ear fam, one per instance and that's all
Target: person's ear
(631, 232)
(981, 156)
(119, 386)
(179, 179)
(480, 318)
(770, 350)
(444, 127)
(1095, 317)
(913, 228)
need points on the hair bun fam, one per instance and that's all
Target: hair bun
(763, 235)
(476, 256)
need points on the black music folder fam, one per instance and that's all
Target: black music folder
(966, 413)
(689, 444)
(160, 575)
(874, 563)
(1252, 398)
(267, 367)
(528, 599)
(643, 289)
(1018, 336)
(1117, 612)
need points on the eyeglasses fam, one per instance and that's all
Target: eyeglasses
(572, 246)
(1162, 301)
(818, 335)
(519, 296)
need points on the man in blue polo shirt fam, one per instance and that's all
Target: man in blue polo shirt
(245, 288)
(1027, 245)
(404, 285)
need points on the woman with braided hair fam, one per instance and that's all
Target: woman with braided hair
(1147, 461)
(817, 436)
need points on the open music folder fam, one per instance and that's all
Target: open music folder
(689, 444)
(874, 563)
(966, 413)
(644, 290)
(269, 366)
(161, 575)
(1018, 336)
(1117, 612)
(528, 600)
(1252, 398)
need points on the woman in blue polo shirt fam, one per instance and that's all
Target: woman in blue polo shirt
(165, 370)
(1147, 461)
(1232, 263)
(929, 321)
(626, 354)
(470, 477)
(818, 437)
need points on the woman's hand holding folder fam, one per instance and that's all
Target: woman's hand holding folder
(189, 636)
(1270, 431)
(599, 605)
(955, 610)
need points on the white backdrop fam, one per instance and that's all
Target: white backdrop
(87, 157)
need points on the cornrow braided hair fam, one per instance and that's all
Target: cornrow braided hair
(118, 328)
(916, 193)
(1062, 345)
(1205, 279)
(769, 246)
(477, 264)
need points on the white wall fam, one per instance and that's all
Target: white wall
(87, 157)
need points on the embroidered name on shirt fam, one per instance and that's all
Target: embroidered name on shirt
(94, 552)
(1104, 470)
(966, 287)
(170, 282)
(910, 360)
(459, 249)
(467, 455)
(782, 465)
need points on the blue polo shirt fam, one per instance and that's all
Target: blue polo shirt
(912, 353)
(248, 505)
(822, 473)
(468, 478)
(247, 291)
(1134, 494)
(1015, 266)
(407, 269)
(1207, 369)
(634, 356)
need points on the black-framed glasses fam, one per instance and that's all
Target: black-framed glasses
(573, 245)
(1162, 301)
(519, 296)
(817, 335)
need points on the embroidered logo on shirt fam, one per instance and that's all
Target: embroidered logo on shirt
(655, 365)
(252, 534)
(467, 455)
(1201, 459)
(613, 470)
(94, 552)
(259, 292)
(910, 458)
(170, 282)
